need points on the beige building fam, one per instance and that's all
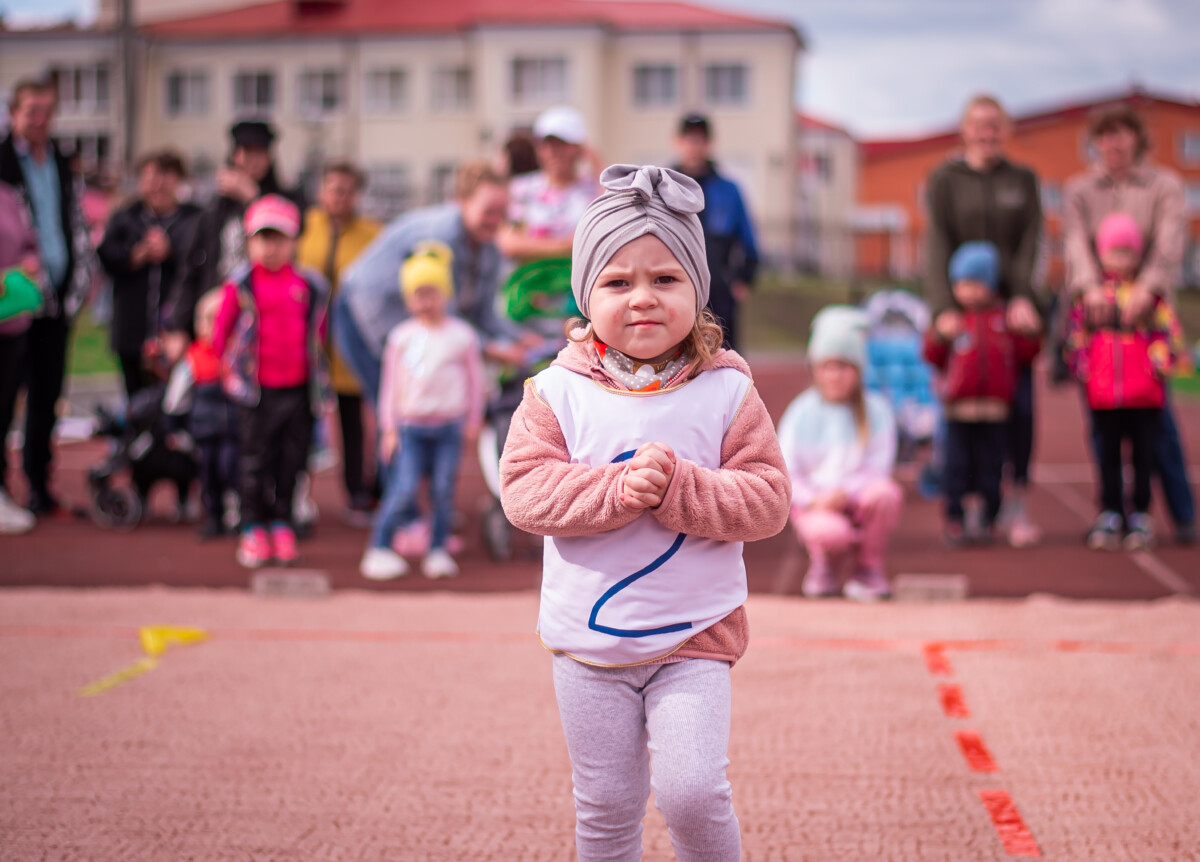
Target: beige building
(827, 195)
(412, 90)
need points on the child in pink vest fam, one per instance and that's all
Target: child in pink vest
(268, 333)
(646, 458)
(1124, 371)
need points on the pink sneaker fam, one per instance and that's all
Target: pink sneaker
(254, 548)
(820, 582)
(283, 544)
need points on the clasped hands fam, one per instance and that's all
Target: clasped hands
(644, 484)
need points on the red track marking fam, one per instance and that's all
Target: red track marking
(1013, 833)
(953, 703)
(975, 752)
(936, 661)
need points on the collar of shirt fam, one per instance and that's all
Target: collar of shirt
(1138, 175)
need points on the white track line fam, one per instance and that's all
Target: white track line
(1144, 560)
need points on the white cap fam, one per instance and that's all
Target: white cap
(563, 123)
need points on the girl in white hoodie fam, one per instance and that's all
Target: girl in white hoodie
(839, 442)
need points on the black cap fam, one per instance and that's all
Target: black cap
(252, 133)
(694, 123)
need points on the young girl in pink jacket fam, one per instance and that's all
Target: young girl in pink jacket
(646, 458)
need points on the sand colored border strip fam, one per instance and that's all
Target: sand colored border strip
(1013, 833)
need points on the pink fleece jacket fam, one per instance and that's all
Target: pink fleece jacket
(282, 302)
(747, 499)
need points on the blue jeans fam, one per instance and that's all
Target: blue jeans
(433, 452)
(1169, 464)
(354, 348)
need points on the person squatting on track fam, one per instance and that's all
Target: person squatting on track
(980, 356)
(269, 330)
(1123, 369)
(646, 457)
(430, 399)
(839, 442)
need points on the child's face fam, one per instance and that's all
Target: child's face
(206, 321)
(271, 249)
(426, 303)
(973, 294)
(643, 302)
(1119, 260)
(836, 380)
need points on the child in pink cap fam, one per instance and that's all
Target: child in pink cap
(1123, 369)
(269, 334)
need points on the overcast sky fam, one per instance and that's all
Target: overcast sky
(904, 67)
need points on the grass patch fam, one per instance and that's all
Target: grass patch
(89, 350)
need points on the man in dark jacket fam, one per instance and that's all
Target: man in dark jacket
(140, 251)
(218, 244)
(728, 233)
(31, 163)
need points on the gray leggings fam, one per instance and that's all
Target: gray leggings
(619, 720)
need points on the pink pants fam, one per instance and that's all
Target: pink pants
(867, 522)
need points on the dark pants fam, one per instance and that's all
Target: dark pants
(350, 413)
(218, 466)
(12, 369)
(133, 372)
(974, 463)
(45, 367)
(1019, 445)
(724, 308)
(434, 452)
(1169, 464)
(275, 436)
(1113, 428)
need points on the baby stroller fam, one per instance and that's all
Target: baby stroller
(538, 297)
(145, 446)
(897, 321)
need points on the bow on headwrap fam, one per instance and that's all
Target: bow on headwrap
(640, 200)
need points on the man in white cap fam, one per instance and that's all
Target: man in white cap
(545, 206)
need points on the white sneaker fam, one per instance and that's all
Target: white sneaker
(14, 519)
(382, 564)
(439, 564)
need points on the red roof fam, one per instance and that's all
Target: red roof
(808, 121)
(1075, 110)
(342, 17)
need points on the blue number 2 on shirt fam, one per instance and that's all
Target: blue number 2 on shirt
(625, 582)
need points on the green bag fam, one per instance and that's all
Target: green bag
(18, 296)
(540, 289)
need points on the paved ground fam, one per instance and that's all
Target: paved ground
(416, 721)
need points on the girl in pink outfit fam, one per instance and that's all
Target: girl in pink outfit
(430, 399)
(839, 442)
(268, 333)
(646, 458)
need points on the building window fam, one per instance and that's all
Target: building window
(655, 86)
(254, 92)
(93, 150)
(1191, 198)
(388, 192)
(441, 184)
(387, 91)
(451, 88)
(187, 93)
(82, 90)
(539, 80)
(320, 91)
(1189, 147)
(1051, 197)
(726, 84)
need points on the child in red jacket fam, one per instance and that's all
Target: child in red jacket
(1123, 366)
(979, 361)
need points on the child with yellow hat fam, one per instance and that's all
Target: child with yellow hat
(430, 398)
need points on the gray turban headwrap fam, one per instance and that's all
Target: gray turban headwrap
(640, 200)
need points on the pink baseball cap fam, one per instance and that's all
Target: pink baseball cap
(273, 212)
(1119, 230)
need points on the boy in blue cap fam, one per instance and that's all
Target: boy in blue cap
(979, 362)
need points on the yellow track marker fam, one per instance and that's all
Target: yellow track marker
(155, 641)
